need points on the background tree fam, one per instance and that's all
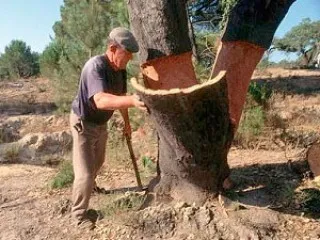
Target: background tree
(303, 39)
(79, 35)
(18, 61)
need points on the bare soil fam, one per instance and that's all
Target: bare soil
(274, 197)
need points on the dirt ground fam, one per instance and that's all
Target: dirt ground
(274, 196)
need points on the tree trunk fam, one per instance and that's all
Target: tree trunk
(195, 136)
(161, 28)
(196, 124)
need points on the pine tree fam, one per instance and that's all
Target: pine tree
(80, 34)
(18, 61)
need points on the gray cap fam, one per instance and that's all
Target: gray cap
(125, 39)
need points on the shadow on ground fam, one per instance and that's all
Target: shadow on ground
(305, 85)
(280, 187)
(19, 107)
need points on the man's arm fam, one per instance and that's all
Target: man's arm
(107, 101)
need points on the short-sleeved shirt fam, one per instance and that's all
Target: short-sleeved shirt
(97, 76)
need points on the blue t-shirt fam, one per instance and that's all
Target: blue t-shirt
(97, 76)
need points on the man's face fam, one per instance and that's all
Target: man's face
(121, 57)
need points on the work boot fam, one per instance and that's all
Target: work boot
(88, 221)
(86, 224)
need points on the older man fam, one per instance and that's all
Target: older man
(102, 90)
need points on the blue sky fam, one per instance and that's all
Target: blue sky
(32, 21)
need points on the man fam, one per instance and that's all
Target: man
(102, 90)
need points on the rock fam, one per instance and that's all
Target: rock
(36, 146)
(203, 217)
(180, 205)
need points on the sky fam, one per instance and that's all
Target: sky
(31, 21)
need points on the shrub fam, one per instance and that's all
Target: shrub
(129, 202)
(251, 125)
(11, 153)
(64, 177)
(18, 61)
(260, 93)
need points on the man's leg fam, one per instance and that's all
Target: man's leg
(83, 166)
(100, 150)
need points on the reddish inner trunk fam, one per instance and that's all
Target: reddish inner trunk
(175, 71)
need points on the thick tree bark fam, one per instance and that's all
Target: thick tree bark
(161, 28)
(195, 136)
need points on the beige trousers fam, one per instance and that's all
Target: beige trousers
(89, 144)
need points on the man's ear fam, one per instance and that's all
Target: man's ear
(113, 47)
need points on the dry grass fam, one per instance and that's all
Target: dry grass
(114, 205)
(11, 153)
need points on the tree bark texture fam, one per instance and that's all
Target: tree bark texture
(248, 33)
(161, 28)
(255, 21)
(195, 135)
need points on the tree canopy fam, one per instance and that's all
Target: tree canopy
(79, 35)
(18, 61)
(209, 15)
(303, 39)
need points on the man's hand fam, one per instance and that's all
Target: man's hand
(138, 103)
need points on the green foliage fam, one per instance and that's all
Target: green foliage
(18, 61)
(303, 39)
(208, 18)
(149, 165)
(260, 93)
(49, 59)
(309, 200)
(206, 49)
(209, 15)
(80, 34)
(253, 119)
(251, 125)
(64, 177)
